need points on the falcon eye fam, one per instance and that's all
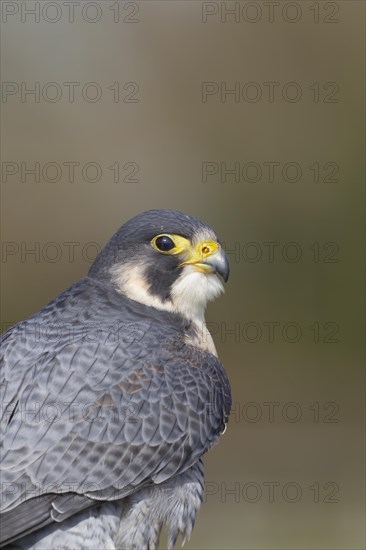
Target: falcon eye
(164, 243)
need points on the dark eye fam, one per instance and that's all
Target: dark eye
(164, 243)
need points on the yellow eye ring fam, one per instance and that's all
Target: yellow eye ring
(162, 243)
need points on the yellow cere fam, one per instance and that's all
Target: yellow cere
(200, 251)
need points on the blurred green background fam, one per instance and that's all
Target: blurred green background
(289, 472)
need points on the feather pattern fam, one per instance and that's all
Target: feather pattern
(102, 396)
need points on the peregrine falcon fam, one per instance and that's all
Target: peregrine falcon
(112, 393)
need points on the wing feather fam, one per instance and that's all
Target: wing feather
(103, 407)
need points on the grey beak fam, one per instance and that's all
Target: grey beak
(220, 263)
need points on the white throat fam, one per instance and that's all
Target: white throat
(189, 294)
(189, 297)
(193, 290)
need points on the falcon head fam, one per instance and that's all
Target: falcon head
(165, 259)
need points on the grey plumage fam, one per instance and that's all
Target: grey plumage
(107, 411)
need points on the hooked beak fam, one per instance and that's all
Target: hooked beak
(218, 262)
(209, 257)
